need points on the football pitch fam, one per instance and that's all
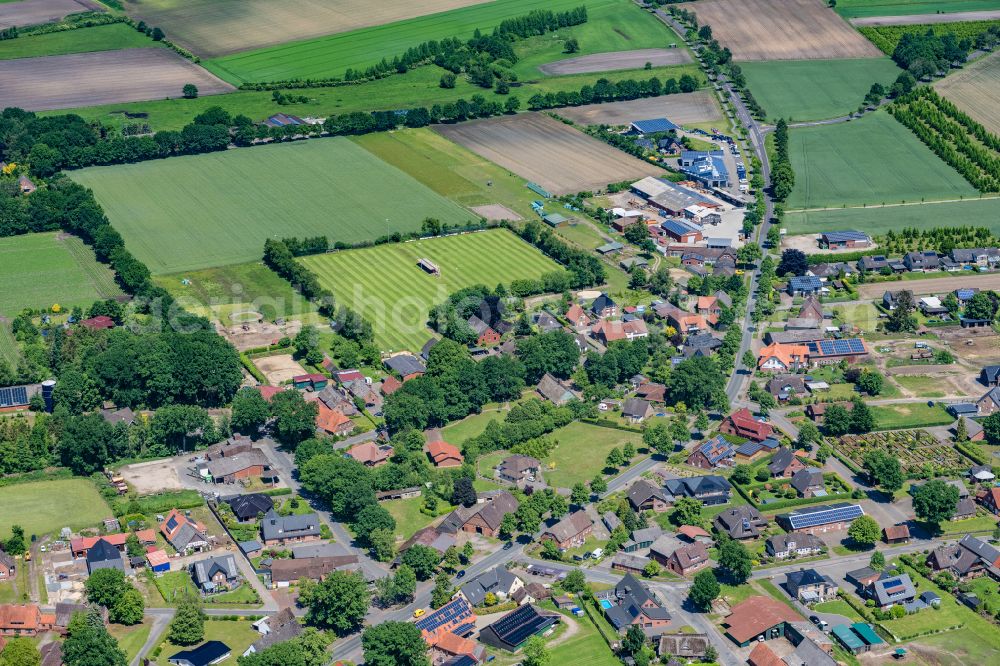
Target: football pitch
(41, 270)
(869, 161)
(815, 89)
(386, 286)
(203, 211)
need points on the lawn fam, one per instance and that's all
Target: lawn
(471, 426)
(976, 644)
(450, 170)
(41, 270)
(334, 54)
(871, 160)
(409, 517)
(585, 648)
(839, 607)
(800, 90)
(84, 40)
(878, 220)
(47, 506)
(218, 293)
(582, 451)
(237, 634)
(910, 415)
(863, 8)
(979, 524)
(949, 614)
(396, 295)
(203, 211)
(862, 315)
(419, 87)
(130, 639)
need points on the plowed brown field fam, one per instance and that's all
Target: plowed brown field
(696, 107)
(782, 30)
(541, 149)
(607, 62)
(30, 12)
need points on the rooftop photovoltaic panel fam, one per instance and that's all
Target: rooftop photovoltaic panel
(451, 612)
(516, 627)
(841, 236)
(825, 515)
(13, 396)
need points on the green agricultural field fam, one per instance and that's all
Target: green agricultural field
(449, 169)
(218, 293)
(40, 270)
(582, 451)
(419, 87)
(334, 54)
(42, 507)
(800, 90)
(385, 284)
(203, 211)
(9, 351)
(865, 8)
(878, 220)
(84, 40)
(871, 160)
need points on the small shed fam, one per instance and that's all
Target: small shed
(429, 266)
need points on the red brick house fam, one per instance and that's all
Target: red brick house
(990, 499)
(7, 566)
(742, 423)
(571, 531)
(688, 559)
(577, 317)
(485, 336)
(26, 620)
(332, 421)
(443, 454)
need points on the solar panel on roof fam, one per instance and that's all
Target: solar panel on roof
(448, 613)
(824, 516)
(13, 396)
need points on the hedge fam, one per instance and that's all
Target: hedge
(252, 369)
(972, 452)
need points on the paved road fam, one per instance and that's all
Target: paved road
(159, 625)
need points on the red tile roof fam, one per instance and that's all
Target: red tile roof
(443, 453)
(390, 385)
(83, 544)
(370, 452)
(690, 531)
(747, 426)
(268, 392)
(98, 323)
(330, 420)
(756, 615)
(311, 377)
(763, 655)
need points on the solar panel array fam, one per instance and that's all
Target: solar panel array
(654, 125)
(841, 236)
(823, 516)
(14, 396)
(452, 612)
(837, 347)
(515, 627)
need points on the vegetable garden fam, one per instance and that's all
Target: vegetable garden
(921, 454)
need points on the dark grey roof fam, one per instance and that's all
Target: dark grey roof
(803, 578)
(287, 527)
(807, 477)
(894, 589)
(695, 486)
(739, 522)
(497, 580)
(204, 570)
(601, 303)
(247, 507)
(630, 600)
(282, 627)
(102, 551)
(641, 492)
(635, 408)
(405, 364)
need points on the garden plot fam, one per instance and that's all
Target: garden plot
(31, 12)
(683, 109)
(106, 77)
(782, 30)
(918, 451)
(541, 149)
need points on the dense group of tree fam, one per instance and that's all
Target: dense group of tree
(941, 239)
(453, 387)
(586, 269)
(927, 53)
(953, 135)
(605, 90)
(782, 175)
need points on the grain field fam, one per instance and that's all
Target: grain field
(31, 12)
(976, 90)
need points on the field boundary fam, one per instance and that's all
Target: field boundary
(101, 277)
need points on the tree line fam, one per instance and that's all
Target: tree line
(484, 57)
(782, 175)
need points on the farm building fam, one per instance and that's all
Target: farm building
(484, 517)
(554, 220)
(283, 120)
(406, 366)
(610, 248)
(856, 638)
(312, 382)
(571, 531)
(443, 454)
(252, 464)
(707, 167)
(841, 239)
(652, 126)
(17, 397)
(828, 352)
(778, 357)
(514, 629)
(820, 519)
(682, 231)
(759, 617)
(670, 197)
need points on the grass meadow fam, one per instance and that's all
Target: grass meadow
(9, 351)
(48, 506)
(449, 169)
(332, 55)
(800, 90)
(385, 284)
(237, 634)
(871, 160)
(582, 451)
(40, 270)
(217, 293)
(84, 40)
(865, 8)
(910, 415)
(878, 220)
(204, 211)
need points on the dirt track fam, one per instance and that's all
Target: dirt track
(31, 12)
(606, 62)
(930, 286)
(682, 109)
(782, 30)
(923, 19)
(541, 149)
(87, 79)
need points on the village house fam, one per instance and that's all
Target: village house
(785, 464)
(603, 306)
(716, 452)
(571, 531)
(777, 357)
(740, 522)
(989, 403)
(371, 454)
(636, 410)
(26, 620)
(278, 530)
(216, 574)
(890, 590)
(652, 392)
(432, 537)
(687, 559)
(783, 546)
(808, 482)
(645, 496)
(8, 566)
(481, 518)
(80, 546)
(759, 617)
(485, 336)
(554, 390)
(786, 387)
(183, 533)
(710, 490)
(104, 556)
(252, 464)
(280, 627)
(742, 424)
(926, 260)
(804, 285)
(642, 539)
(518, 468)
(443, 454)
(287, 572)
(332, 421)
(249, 507)
(820, 519)
(968, 558)
(810, 587)
(631, 603)
(497, 581)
